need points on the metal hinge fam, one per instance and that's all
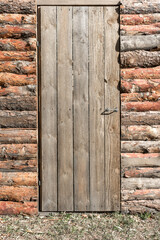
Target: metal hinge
(39, 183)
(38, 44)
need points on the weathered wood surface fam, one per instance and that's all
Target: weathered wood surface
(18, 193)
(29, 90)
(140, 160)
(15, 19)
(18, 6)
(141, 73)
(140, 106)
(128, 30)
(9, 207)
(9, 44)
(140, 132)
(81, 109)
(18, 165)
(18, 151)
(112, 122)
(17, 31)
(140, 183)
(141, 97)
(19, 67)
(48, 114)
(15, 56)
(18, 179)
(140, 146)
(140, 85)
(140, 59)
(18, 136)
(16, 80)
(78, 3)
(138, 19)
(139, 172)
(145, 42)
(18, 119)
(141, 206)
(148, 194)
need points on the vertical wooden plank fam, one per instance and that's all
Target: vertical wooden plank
(65, 112)
(112, 100)
(80, 72)
(48, 109)
(96, 95)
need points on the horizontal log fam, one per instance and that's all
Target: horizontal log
(140, 183)
(13, 135)
(19, 67)
(138, 19)
(18, 193)
(140, 160)
(145, 42)
(18, 165)
(18, 179)
(140, 146)
(18, 119)
(141, 206)
(140, 29)
(140, 132)
(29, 90)
(148, 194)
(15, 56)
(18, 151)
(15, 19)
(141, 73)
(140, 58)
(10, 44)
(18, 6)
(15, 208)
(16, 79)
(138, 6)
(25, 103)
(144, 96)
(140, 118)
(137, 172)
(141, 106)
(140, 85)
(17, 31)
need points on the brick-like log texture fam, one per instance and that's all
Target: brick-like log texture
(140, 113)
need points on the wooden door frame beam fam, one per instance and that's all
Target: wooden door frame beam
(78, 2)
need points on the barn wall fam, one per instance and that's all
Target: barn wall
(140, 93)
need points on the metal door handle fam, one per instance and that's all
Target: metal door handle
(108, 111)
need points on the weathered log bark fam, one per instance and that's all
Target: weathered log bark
(140, 183)
(25, 103)
(140, 59)
(147, 194)
(141, 73)
(18, 119)
(8, 207)
(140, 29)
(19, 67)
(18, 179)
(140, 118)
(140, 146)
(14, 19)
(139, 7)
(140, 85)
(140, 132)
(141, 106)
(13, 135)
(140, 206)
(18, 151)
(9, 44)
(18, 194)
(17, 31)
(18, 6)
(136, 19)
(141, 172)
(134, 97)
(29, 90)
(13, 55)
(16, 79)
(148, 42)
(140, 160)
(18, 166)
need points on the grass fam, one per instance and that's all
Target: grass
(77, 226)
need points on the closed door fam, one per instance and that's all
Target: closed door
(79, 119)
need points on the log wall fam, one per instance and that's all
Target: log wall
(140, 101)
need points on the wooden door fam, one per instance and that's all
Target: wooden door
(79, 119)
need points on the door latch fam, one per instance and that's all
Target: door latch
(108, 111)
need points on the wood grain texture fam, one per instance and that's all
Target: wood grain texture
(96, 98)
(48, 109)
(112, 121)
(81, 138)
(77, 2)
(65, 111)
